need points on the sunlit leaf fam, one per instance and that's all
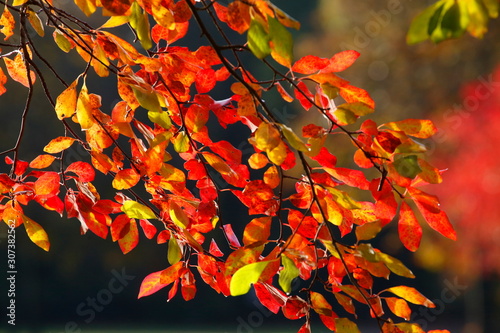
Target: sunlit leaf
(66, 102)
(257, 230)
(287, 274)
(126, 179)
(18, 71)
(344, 325)
(36, 233)
(35, 22)
(411, 295)
(174, 254)
(136, 210)
(245, 276)
(151, 284)
(7, 22)
(399, 307)
(414, 127)
(258, 40)
(42, 161)
(410, 231)
(395, 265)
(281, 42)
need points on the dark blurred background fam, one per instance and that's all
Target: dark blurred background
(86, 284)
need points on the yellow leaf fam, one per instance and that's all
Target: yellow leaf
(19, 2)
(84, 109)
(62, 41)
(136, 210)
(395, 265)
(66, 102)
(115, 21)
(35, 22)
(245, 276)
(267, 137)
(36, 233)
(278, 154)
(272, 177)
(411, 295)
(344, 325)
(86, 6)
(58, 144)
(178, 216)
(288, 274)
(174, 254)
(126, 179)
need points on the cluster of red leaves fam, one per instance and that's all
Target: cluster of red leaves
(171, 86)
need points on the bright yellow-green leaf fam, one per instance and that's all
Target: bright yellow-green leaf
(181, 142)
(115, 21)
(418, 31)
(411, 295)
(278, 154)
(66, 102)
(344, 325)
(36, 233)
(140, 23)
(258, 40)
(136, 210)
(178, 216)
(293, 139)
(343, 199)
(287, 274)
(88, 7)
(174, 254)
(395, 265)
(61, 41)
(244, 277)
(35, 22)
(161, 118)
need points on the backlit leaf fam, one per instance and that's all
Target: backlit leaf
(245, 276)
(309, 64)
(411, 295)
(395, 265)
(136, 210)
(35, 22)
(84, 109)
(83, 170)
(36, 233)
(258, 40)
(399, 307)
(7, 22)
(47, 184)
(66, 102)
(178, 215)
(287, 274)
(17, 70)
(42, 161)
(368, 231)
(293, 139)
(130, 240)
(344, 325)
(410, 231)
(281, 42)
(257, 230)
(126, 179)
(151, 284)
(414, 127)
(174, 254)
(341, 61)
(58, 144)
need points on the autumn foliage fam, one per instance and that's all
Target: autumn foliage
(310, 217)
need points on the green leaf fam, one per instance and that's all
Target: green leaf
(281, 43)
(288, 274)
(135, 210)
(258, 40)
(61, 41)
(492, 6)
(345, 116)
(419, 28)
(174, 254)
(245, 276)
(407, 166)
(358, 108)
(454, 22)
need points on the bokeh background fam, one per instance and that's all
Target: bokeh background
(451, 83)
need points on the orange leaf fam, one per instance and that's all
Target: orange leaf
(205, 80)
(410, 231)
(36, 233)
(353, 94)
(257, 161)
(130, 240)
(126, 179)
(3, 81)
(83, 170)
(304, 96)
(17, 70)
(58, 144)
(284, 94)
(399, 307)
(272, 177)
(42, 161)
(47, 185)
(411, 295)
(257, 230)
(8, 23)
(238, 16)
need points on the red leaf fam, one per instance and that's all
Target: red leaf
(385, 206)
(284, 94)
(233, 240)
(19, 168)
(269, 296)
(83, 170)
(437, 219)
(214, 249)
(295, 308)
(341, 61)
(51, 203)
(205, 80)
(151, 284)
(350, 177)
(410, 231)
(120, 227)
(47, 185)
(325, 158)
(304, 95)
(226, 150)
(148, 228)
(388, 141)
(310, 64)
